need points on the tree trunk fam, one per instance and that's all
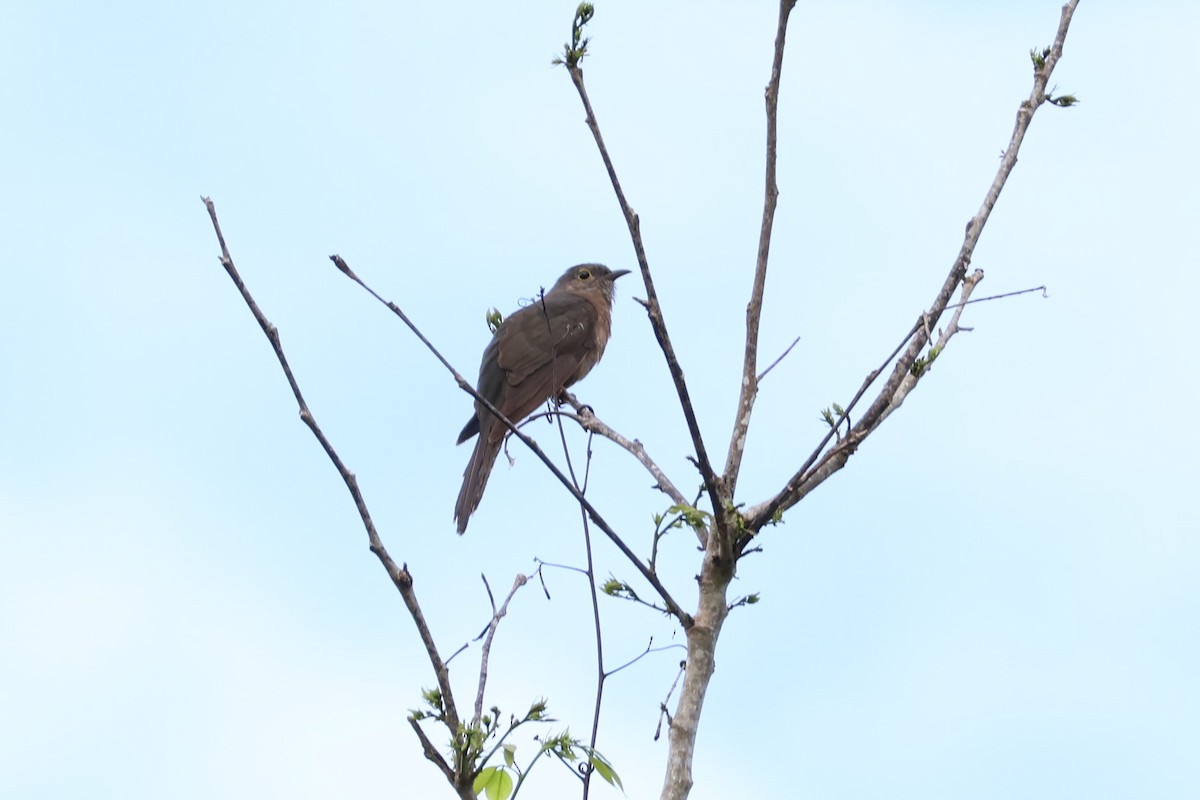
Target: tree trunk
(713, 607)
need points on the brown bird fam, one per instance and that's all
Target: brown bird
(535, 354)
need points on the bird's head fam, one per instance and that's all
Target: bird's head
(589, 279)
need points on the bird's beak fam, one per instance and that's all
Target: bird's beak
(616, 273)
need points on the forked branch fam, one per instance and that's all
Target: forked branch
(902, 379)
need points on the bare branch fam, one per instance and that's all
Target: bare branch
(431, 752)
(400, 575)
(684, 618)
(653, 307)
(741, 423)
(896, 389)
(586, 417)
(497, 615)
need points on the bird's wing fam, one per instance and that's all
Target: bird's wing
(537, 351)
(553, 332)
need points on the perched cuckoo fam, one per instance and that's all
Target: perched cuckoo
(534, 355)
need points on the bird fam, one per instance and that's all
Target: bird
(534, 355)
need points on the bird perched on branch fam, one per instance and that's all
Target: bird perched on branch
(534, 355)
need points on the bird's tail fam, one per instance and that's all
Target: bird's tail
(475, 478)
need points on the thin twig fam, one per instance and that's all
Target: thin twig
(542, 579)
(659, 532)
(1041, 289)
(782, 356)
(488, 587)
(567, 567)
(645, 653)
(749, 388)
(662, 707)
(684, 618)
(591, 579)
(461, 649)
(629, 594)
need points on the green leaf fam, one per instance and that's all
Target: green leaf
(510, 754)
(692, 515)
(481, 780)
(504, 790)
(495, 781)
(612, 587)
(605, 770)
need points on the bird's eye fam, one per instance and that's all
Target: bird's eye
(584, 274)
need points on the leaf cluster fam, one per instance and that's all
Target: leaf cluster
(497, 782)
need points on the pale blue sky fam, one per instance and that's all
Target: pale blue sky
(997, 598)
